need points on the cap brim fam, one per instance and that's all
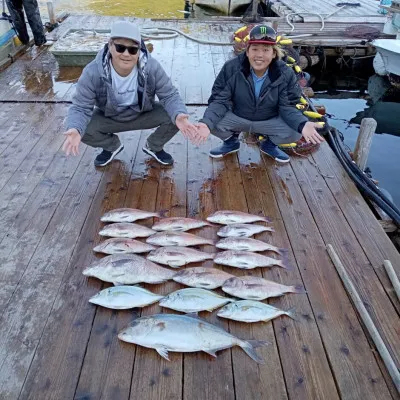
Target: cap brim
(260, 42)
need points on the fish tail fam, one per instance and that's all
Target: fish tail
(284, 263)
(267, 219)
(292, 313)
(162, 213)
(249, 345)
(297, 289)
(283, 252)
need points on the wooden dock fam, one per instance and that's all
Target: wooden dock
(54, 344)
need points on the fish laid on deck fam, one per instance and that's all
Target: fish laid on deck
(179, 224)
(169, 238)
(178, 256)
(128, 269)
(126, 230)
(247, 244)
(193, 300)
(124, 297)
(255, 288)
(247, 260)
(183, 333)
(227, 217)
(252, 311)
(127, 215)
(123, 246)
(242, 230)
(200, 277)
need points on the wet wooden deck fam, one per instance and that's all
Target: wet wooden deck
(55, 345)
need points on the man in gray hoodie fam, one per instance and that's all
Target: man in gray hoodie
(116, 93)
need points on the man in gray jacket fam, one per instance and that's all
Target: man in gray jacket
(116, 93)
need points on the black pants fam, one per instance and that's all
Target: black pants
(32, 13)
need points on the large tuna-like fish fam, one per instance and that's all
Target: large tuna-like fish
(242, 230)
(126, 230)
(255, 288)
(179, 224)
(246, 260)
(193, 300)
(247, 244)
(183, 333)
(123, 246)
(200, 277)
(127, 215)
(177, 256)
(128, 269)
(170, 238)
(252, 311)
(124, 297)
(227, 217)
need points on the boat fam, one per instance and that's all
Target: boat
(389, 50)
(224, 6)
(7, 35)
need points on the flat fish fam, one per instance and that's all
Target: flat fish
(252, 311)
(193, 300)
(186, 334)
(242, 230)
(177, 256)
(247, 244)
(255, 288)
(126, 230)
(247, 260)
(127, 215)
(179, 224)
(183, 239)
(124, 297)
(123, 246)
(128, 269)
(200, 277)
(228, 217)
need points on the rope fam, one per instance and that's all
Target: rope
(171, 33)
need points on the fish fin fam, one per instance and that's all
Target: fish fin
(162, 351)
(267, 219)
(283, 252)
(249, 345)
(284, 263)
(162, 213)
(292, 313)
(211, 352)
(298, 289)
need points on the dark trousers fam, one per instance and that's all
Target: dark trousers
(35, 22)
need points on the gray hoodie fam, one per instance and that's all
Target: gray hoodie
(94, 88)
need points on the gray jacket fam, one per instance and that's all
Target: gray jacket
(94, 88)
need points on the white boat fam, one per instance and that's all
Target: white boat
(224, 6)
(7, 46)
(389, 50)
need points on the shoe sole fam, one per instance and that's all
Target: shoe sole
(150, 153)
(276, 159)
(113, 155)
(222, 155)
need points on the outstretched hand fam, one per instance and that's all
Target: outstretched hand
(71, 144)
(310, 133)
(185, 126)
(202, 133)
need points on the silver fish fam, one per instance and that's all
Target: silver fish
(124, 297)
(247, 244)
(126, 230)
(170, 238)
(200, 277)
(242, 230)
(252, 311)
(127, 215)
(255, 288)
(227, 217)
(179, 224)
(121, 245)
(182, 333)
(246, 260)
(193, 300)
(177, 256)
(128, 269)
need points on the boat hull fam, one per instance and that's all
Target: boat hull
(389, 49)
(222, 5)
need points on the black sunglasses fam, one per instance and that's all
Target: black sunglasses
(120, 48)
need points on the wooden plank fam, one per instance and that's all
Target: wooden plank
(355, 370)
(204, 377)
(154, 376)
(302, 355)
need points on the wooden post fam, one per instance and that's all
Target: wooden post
(392, 276)
(254, 10)
(364, 141)
(52, 15)
(376, 337)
